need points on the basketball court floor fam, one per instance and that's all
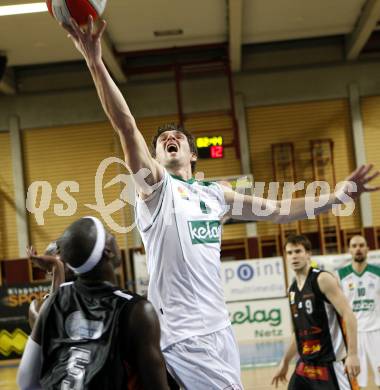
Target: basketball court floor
(258, 368)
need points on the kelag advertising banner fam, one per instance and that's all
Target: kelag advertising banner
(14, 328)
(261, 321)
(253, 279)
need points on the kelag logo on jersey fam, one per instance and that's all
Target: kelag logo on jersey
(204, 232)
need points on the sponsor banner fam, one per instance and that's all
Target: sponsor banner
(141, 277)
(260, 320)
(13, 337)
(253, 279)
(204, 232)
(15, 300)
(14, 307)
(332, 263)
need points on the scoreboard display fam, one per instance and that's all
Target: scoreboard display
(210, 147)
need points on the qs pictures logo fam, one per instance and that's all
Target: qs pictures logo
(12, 342)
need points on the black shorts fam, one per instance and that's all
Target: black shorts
(327, 376)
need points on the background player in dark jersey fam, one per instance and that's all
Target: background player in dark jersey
(89, 334)
(327, 359)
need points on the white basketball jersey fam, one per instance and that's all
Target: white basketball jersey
(181, 230)
(363, 293)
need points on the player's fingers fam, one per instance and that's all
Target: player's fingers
(357, 172)
(75, 26)
(90, 26)
(68, 28)
(351, 372)
(371, 189)
(367, 168)
(103, 25)
(371, 177)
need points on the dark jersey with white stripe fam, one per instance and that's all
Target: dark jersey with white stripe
(83, 338)
(317, 325)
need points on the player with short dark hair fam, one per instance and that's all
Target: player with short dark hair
(180, 222)
(173, 127)
(90, 334)
(327, 352)
(360, 282)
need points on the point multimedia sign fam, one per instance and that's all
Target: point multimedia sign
(260, 320)
(253, 279)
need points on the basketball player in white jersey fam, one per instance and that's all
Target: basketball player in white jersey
(361, 285)
(179, 220)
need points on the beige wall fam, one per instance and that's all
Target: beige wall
(300, 123)
(371, 119)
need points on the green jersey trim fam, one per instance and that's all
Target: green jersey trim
(373, 269)
(345, 271)
(192, 181)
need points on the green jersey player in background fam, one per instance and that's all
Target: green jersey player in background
(361, 285)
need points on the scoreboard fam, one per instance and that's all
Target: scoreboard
(210, 147)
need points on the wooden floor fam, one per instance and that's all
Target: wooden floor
(253, 379)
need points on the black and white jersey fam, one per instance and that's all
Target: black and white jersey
(83, 328)
(317, 325)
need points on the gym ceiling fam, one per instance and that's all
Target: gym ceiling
(142, 32)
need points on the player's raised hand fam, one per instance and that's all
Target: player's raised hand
(359, 181)
(280, 375)
(47, 263)
(87, 40)
(352, 366)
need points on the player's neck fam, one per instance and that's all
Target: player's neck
(301, 276)
(182, 172)
(359, 267)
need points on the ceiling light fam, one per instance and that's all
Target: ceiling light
(22, 9)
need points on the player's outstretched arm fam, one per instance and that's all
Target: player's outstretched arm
(329, 286)
(144, 343)
(280, 375)
(136, 151)
(252, 208)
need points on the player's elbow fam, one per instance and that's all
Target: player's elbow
(125, 124)
(277, 216)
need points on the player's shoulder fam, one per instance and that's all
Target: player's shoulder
(127, 295)
(373, 269)
(345, 271)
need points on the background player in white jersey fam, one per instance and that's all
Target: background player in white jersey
(180, 223)
(361, 285)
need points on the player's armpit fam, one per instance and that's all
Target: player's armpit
(330, 287)
(144, 344)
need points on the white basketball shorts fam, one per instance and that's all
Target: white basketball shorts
(369, 350)
(205, 362)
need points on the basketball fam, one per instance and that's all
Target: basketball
(63, 10)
